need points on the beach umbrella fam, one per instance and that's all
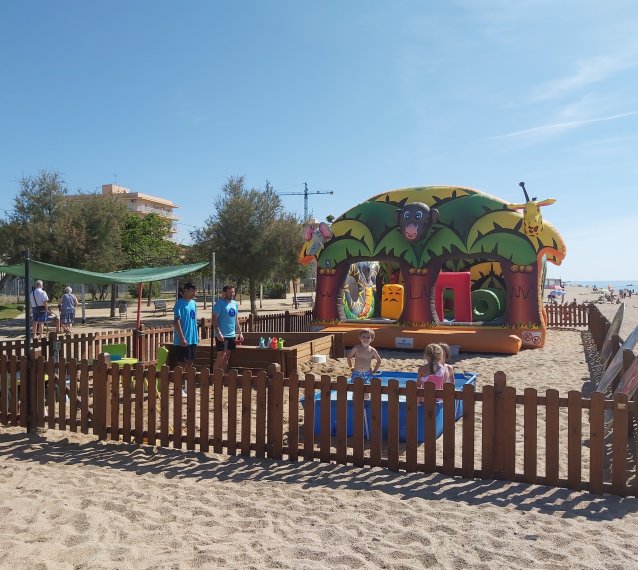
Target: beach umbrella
(556, 288)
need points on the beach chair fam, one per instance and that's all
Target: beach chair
(117, 352)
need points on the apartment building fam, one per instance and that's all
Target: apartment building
(140, 204)
(143, 204)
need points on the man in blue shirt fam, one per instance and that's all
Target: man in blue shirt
(185, 337)
(226, 326)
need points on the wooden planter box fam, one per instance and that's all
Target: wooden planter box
(298, 348)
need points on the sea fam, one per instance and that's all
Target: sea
(604, 283)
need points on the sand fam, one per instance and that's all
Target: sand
(68, 501)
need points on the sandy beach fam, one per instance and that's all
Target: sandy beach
(69, 501)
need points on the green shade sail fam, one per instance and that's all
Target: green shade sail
(58, 274)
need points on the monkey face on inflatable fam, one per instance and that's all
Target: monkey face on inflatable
(415, 218)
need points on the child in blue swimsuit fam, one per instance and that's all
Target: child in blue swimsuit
(364, 353)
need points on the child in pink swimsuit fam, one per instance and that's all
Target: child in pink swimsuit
(433, 370)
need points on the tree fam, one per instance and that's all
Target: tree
(290, 237)
(34, 220)
(82, 233)
(94, 226)
(146, 243)
(246, 233)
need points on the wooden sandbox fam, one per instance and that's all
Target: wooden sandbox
(298, 348)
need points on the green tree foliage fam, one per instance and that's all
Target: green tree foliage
(146, 242)
(82, 233)
(93, 226)
(251, 235)
(33, 223)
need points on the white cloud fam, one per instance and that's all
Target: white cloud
(587, 73)
(546, 131)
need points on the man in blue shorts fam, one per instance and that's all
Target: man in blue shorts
(226, 326)
(185, 336)
(39, 301)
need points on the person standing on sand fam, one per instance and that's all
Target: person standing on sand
(226, 326)
(185, 336)
(363, 354)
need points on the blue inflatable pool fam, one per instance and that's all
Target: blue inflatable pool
(460, 378)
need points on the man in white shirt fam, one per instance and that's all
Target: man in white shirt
(40, 307)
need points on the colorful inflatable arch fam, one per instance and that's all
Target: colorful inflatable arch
(417, 237)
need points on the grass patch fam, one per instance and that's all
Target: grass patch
(11, 310)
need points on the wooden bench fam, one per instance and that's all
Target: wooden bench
(159, 306)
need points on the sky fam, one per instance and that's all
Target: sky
(357, 98)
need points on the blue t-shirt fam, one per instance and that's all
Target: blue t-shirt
(226, 312)
(186, 312)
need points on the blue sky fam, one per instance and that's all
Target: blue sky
(357, 97)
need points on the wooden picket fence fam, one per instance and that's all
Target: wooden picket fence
(288, 321)
(502, 434)
(598, 326)
(142, 344)
(567, 314)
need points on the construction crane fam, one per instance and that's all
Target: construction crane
(305, 194)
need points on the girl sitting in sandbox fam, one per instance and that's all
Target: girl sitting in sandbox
(434, 369)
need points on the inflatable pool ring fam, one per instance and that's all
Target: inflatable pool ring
(487, 305)
(500, 293)
(358, 291)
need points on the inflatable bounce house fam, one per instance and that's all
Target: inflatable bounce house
(435, 264)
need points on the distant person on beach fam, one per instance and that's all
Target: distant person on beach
(363, 354)
(67, 306)
(185, 335)
(39, 301)
(226, 326)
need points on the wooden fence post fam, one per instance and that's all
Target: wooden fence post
(287, 321)
(619, 446)
(51, 346)
(100, 398)
(500, 382)
(144, 356)
(627, 360)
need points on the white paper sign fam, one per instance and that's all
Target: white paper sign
(404, 342)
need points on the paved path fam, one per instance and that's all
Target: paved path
(99, 319)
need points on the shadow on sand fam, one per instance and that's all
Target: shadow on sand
(147, 460)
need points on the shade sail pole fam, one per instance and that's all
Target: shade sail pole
(138, 324)
(83, 293)
(214, 299)
(28, 386)
(139, 306)
(27, 304)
